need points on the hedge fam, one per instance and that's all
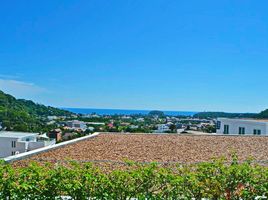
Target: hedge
(81, 181)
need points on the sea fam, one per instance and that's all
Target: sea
(125, 112)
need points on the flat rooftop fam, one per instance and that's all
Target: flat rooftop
(158, 148)
(246, 119)
(11, 134)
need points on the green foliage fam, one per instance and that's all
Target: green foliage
(263, 114)
(203, 115)
(24, 115)
(211, 180)
(209, 129)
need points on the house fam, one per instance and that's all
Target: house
(90, 128)
(242, 126)
(96, 123)
(55, 134)
(110, 125)
(124, 124)
(50, 118)
(76, 125)
(141, 119)
(134, 126)
(12, 143)
(162, 128)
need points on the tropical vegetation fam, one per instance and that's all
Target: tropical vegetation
(211, 180)
(25, 115)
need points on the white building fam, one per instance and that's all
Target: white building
(141, 119)
(134, 126)
(12, 143)
(162, 128)
(242, 126)
(75, 124)
(50, 118)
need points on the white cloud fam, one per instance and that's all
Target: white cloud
(20, 89)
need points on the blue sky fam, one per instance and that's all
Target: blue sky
(136, 54)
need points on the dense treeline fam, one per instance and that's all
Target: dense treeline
(215, 180)
(25, 115)
(263, 114)
(224, 114)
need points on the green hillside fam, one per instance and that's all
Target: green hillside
(224, 114)
(25, 115)
(263, 114)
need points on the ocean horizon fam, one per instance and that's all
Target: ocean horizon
(100, 111)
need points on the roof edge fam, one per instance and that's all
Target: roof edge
(25, 155)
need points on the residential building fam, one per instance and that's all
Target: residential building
(134, 126)
(242, 126)
(55, 134)
(76, 125)
(141, 119)
(52, 118)
(90, 128)
(162, 128)
(12, 143)
(95, 123)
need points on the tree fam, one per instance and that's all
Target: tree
(173, 128)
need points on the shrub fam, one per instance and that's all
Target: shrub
(211, 180)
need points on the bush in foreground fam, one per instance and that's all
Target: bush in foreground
(211, 180)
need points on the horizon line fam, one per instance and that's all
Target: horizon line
(154, 110)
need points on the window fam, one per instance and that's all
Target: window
(241, 131)
(13, 144)
(13, 153)
(257, 132)
(218, 125)
(226, 129)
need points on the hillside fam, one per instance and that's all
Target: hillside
(25, 115)
(224, 114)
(263, 114)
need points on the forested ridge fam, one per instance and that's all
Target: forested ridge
(25, 115)
(261, 115)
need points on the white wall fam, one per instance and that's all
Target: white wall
(249, 125)
(22, 145)
(6, 146)
(39, 144)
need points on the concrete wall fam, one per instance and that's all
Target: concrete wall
(22, 145)
(6, 146)
(39, 144)
(249, 126)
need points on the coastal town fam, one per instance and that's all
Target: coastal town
(151, 123)
(48, 126)
(77, 125)
(155, 122)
